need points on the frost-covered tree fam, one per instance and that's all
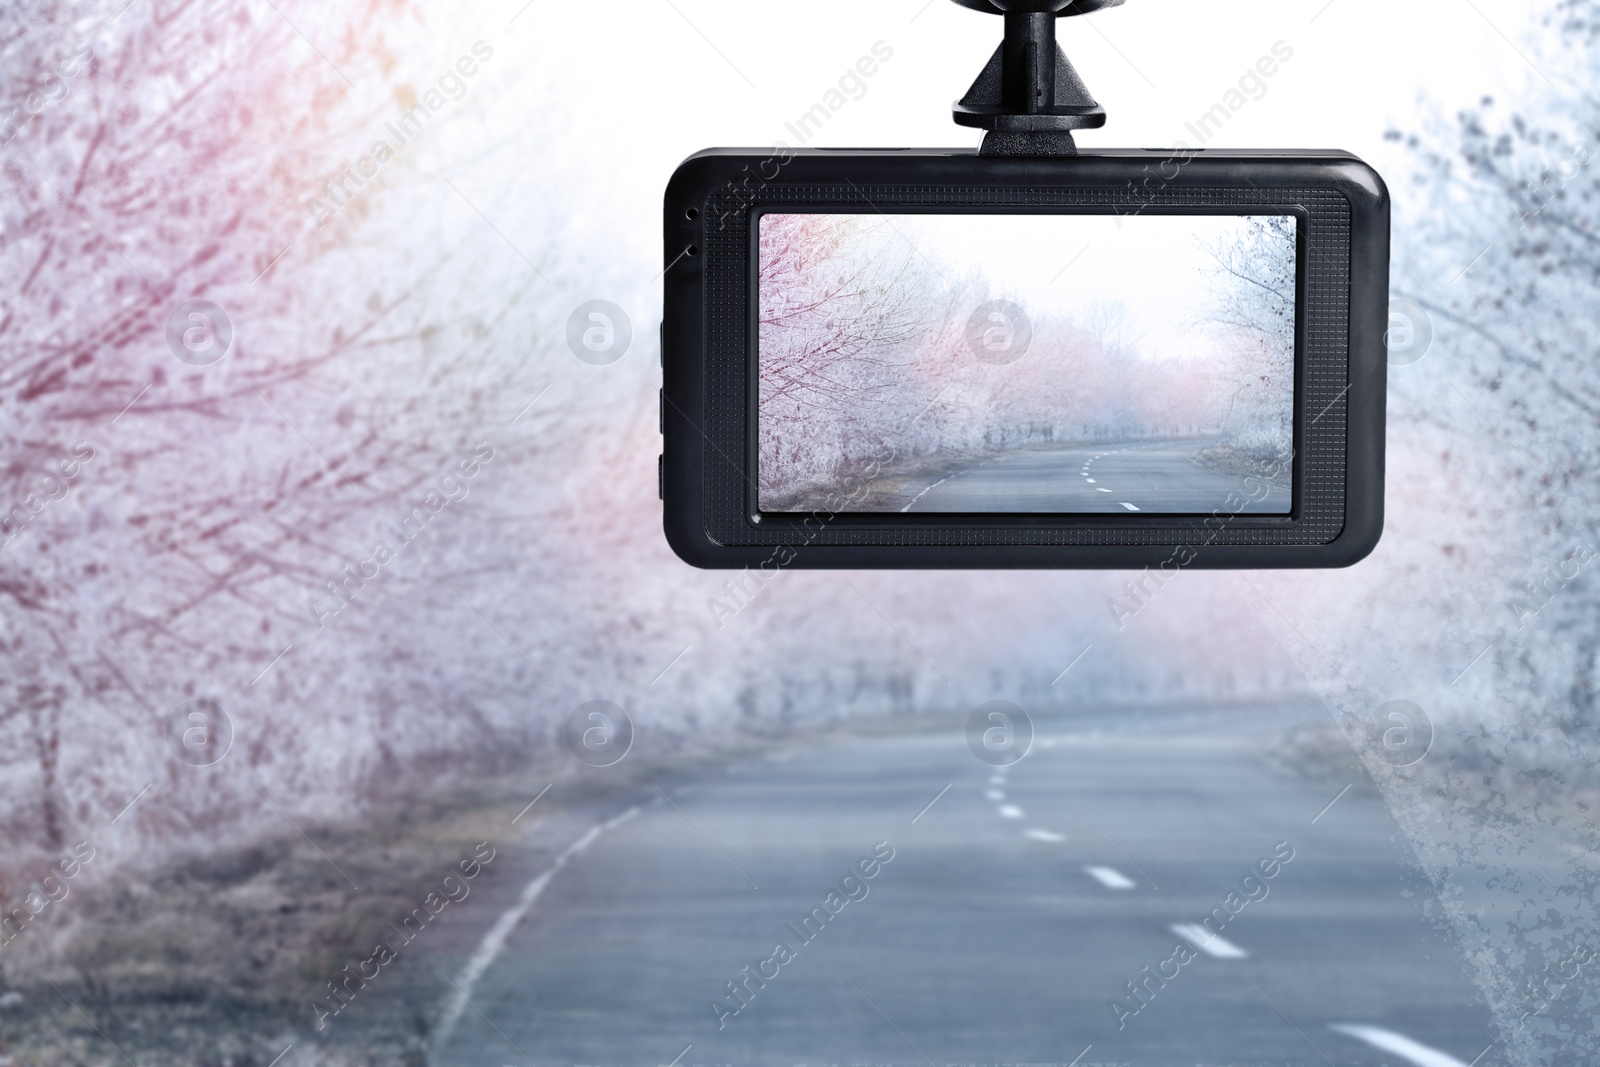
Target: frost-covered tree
(1254, 315)
(1482, 603)
(1514, 192)
(845, 303)
(165, 526)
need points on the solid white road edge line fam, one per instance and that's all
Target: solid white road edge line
(922, 494)
(494, 942)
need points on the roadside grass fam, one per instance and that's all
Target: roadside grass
(1247, 463)
(214, 959)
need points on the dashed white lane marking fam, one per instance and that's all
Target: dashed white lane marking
(1211, 944)
(997, 779)
(1010, 811)
(994, 794)
(494, 942)
(1110, 877)
(1044, 835)
(1091, 481)
(1102, 490)
(1399, 1044)
(922, 494)
(1129, 506)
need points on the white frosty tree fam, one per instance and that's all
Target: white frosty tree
(834, 326)
(165, 524)
(1520, 188)
(1254, 312)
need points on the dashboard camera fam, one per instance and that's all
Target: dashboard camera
(1027, 356)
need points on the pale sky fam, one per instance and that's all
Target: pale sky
(673, 78)
(1156, 266)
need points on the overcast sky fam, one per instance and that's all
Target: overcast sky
(727, 72)
(732, 73)
(1155, 266)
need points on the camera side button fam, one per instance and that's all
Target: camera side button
(661, 477)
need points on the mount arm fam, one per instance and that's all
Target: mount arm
(1029, 97)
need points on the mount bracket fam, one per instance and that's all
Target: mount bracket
(1029, 97)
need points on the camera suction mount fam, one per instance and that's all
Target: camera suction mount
(1029, 97)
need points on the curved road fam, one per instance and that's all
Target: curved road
(1155, 476)
(1016, 907)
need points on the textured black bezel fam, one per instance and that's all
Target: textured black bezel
(708, 466)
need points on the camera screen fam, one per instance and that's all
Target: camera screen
(1061, 364)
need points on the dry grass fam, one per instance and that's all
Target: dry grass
(215, 959)
(1244, 463)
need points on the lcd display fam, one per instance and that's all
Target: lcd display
(1050, 364)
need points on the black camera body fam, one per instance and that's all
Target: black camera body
(1127, 416)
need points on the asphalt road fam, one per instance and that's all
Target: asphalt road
(1017, 905)
(1162, 477)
